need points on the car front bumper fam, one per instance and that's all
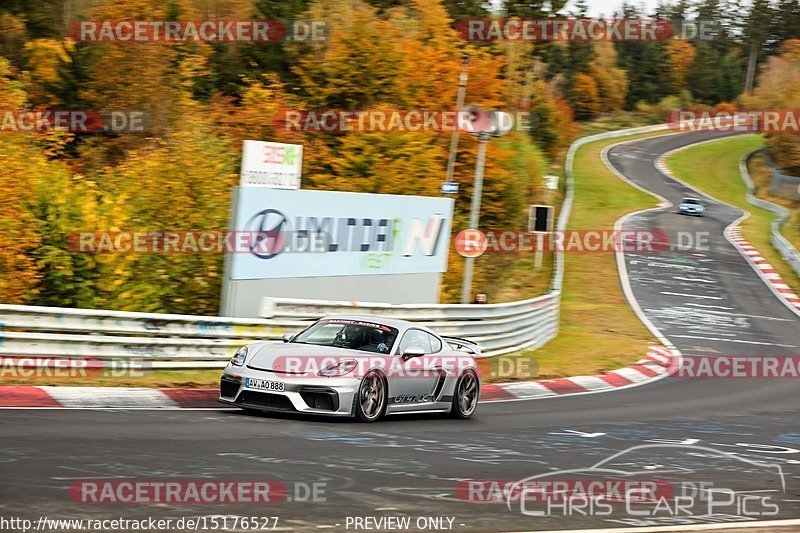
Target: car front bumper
(302, 394)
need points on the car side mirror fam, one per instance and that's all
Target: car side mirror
(287, 337)
(413, 351)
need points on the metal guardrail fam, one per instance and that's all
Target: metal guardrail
(781, 185)
(779, 242)
(187, 341)
(497, 328)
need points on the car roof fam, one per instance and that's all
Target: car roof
(696, 199)
(386, 321)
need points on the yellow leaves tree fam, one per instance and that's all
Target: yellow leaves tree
(151, 77)
(18, 226)
(45, 57)
(587, 96)
(681, 55)
(777, 89)
(357, 66)
(165, 189)
(611, 81)
(12, 34)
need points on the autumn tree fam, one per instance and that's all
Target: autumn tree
(681, 54)
(587, 96)
(777, 89)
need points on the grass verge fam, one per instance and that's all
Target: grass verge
(761, 176)
(714, 169)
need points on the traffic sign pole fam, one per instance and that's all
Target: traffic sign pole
(474, 215)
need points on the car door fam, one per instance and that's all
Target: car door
(417, 377)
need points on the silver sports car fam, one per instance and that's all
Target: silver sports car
(361, 366)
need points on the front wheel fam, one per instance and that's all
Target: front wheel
(370, 401)
(465, 399)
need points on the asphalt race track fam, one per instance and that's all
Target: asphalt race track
(737, 434)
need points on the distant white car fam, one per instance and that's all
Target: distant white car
(692, 206)
(361, 366)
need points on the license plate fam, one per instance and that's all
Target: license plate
(264, 384)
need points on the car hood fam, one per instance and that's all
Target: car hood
(288, 355)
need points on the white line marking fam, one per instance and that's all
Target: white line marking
(714, 307)
(695, 279)
(723, 313)
(691, 295)
(735, 340)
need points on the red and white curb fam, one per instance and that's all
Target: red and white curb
(767, 271)
(658, 364)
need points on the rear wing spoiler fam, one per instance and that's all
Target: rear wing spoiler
(463, 344)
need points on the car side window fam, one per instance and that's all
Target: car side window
(436, 344)
(415, 338)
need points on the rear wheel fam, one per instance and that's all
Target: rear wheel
(465, 398)
(370, 401)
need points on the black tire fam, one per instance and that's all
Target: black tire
(465, 396)
(372, 397)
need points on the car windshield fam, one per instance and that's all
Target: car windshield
(691, 201)
(352, 334)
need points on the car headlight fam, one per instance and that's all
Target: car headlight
(340, 368)
(239, 356)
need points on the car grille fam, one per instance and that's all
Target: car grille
(228, 388)
(264, 399)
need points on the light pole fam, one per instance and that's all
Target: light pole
(462, 89)
(474, 213)
(485, 125)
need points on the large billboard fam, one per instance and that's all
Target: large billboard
(309, 233)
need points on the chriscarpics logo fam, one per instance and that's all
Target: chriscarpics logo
(269, 233)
